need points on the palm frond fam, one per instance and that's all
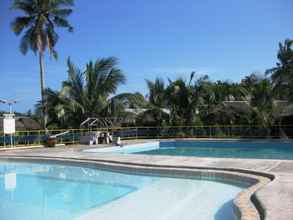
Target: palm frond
(63, 13)
(20, 23)
(61, 22)
(27, 6)
(28, 41)
(62, 3)
(41, 19)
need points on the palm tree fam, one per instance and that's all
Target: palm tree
(57, 107)
(282, 74)
(157, 93)
(89, 90)
(38, 24)
(157, 100)
(89, 93)
(265, 112)
(185, 99)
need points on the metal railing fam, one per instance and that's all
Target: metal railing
(37, 137)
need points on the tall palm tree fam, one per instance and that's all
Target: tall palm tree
(38, 24)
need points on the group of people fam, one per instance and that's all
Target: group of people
(100, 137)
(104, 138)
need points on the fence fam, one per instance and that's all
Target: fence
(37, 137)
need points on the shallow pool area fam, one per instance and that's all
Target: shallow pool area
(57, 191)
(280, 150)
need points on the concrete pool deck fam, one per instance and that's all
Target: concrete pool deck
(275, 199)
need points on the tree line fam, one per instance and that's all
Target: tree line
(259, 99)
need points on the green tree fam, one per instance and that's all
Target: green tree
(186, 98)
(58, 104)
(37, 25)
(157, 96)
(265, 111)
(89, 90)
(90, 93)
(155, 114)
(282, 74)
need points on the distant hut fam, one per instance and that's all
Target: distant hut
(23, 124)
(152, 117)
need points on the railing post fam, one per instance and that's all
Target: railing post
(73, 136)
(39, 137)
(61, 140)
(158, 132)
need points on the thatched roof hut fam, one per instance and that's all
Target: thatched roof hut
(23, 124)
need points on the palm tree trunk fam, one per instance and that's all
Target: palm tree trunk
(43, 93)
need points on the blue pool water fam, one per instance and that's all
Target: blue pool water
(225, 149)
(32, 191)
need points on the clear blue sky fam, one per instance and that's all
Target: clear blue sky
(226, 39)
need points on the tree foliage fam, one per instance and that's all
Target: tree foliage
(89, 93)
(196, 100)
(38, 23)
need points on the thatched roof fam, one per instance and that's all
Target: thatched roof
(284, 106)
(241, 106)
(23, 123)
(138, 111)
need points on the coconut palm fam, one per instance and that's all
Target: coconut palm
(264, 111)
(89, 90)
(282, 74)
(90, 93)
(157, 96)
(178, 101)
(157, 100)
(185, 98)
(38, 28)
(58, 105)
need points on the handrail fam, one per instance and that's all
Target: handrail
(152, 127)
(72, 136)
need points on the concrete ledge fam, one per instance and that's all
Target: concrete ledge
(26, 147)
(20, 148)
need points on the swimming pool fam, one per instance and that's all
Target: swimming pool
(61, 192)
(282, 150)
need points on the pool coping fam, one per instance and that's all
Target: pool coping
(246, 206)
